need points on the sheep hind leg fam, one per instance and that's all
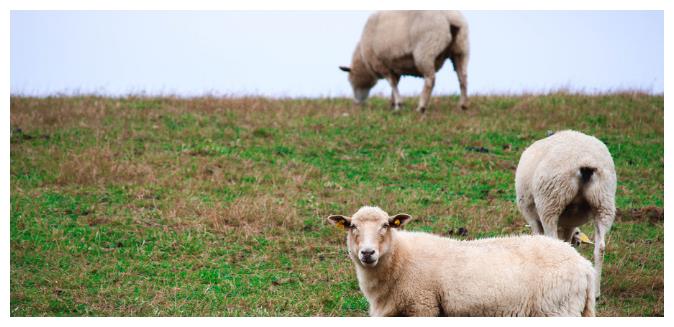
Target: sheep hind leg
(460, 66)
(429, 83)
(601, 227)
(549, 223)
(531, 217)
(551, 197)
(549, 215)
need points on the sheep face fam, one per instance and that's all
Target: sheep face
(361, 78)
(369, 233)
(360, 95)
(361, 82)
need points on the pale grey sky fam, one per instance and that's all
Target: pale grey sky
(297, 53)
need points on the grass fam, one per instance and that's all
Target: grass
(216, 207)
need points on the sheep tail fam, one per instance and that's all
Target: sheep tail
(588, 310)
(454, 30)
(586, 173)
(458, 28)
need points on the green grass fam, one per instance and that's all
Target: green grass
(217, 207)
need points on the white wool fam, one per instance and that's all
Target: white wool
(555, 199)
(420, 274)
(417, 43)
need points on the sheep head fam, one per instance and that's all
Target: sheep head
(361, 78)
(369, 233)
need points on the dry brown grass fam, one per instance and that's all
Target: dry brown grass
(251, 215)
(217, 206)
(97, 166)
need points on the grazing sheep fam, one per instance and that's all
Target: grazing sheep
(416, 43)
(419, 274)
(563, 181)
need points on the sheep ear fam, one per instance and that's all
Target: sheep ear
(399, 220)
(345, 68)
(341, 222)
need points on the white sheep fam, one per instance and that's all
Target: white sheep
(416, 43)
(419, 274)
(563, 181)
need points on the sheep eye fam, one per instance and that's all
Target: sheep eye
(384, 226)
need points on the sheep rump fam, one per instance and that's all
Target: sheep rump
(562, 182)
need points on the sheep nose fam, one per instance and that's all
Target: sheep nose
(367, 253)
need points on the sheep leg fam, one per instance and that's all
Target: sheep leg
(550, 226)
(537, 227)
(461, 67)
(396, 99)
(551, 196)
(601, 227)
(429, 83)
(531, 216)
(549, 213)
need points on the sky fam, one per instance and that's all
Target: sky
(297, 54)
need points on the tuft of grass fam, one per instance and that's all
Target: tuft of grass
(216, 206)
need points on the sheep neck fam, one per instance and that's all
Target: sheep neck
(361, 75)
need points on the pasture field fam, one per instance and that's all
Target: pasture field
(217, 206)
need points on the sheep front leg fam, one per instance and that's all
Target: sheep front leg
(396, 99)
(601, 228)
(429, 83)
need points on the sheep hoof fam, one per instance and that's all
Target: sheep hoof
(463, 104)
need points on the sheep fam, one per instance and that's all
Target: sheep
(419, 274)
(416, 43)
(563, 181)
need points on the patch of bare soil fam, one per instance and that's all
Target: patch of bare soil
(652, 214)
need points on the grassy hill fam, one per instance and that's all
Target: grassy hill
(217, 207)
